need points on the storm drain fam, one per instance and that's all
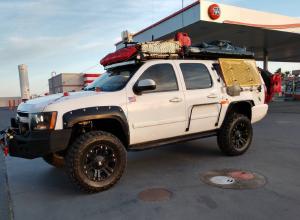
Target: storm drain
(233, 179)
(155, 195)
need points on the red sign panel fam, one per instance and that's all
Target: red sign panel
(214, 11)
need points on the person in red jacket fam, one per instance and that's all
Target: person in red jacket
(272, 82)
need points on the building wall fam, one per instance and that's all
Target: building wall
(250, 17)
(170, 25)
(198, 11)
(66, 82)
(9, 101)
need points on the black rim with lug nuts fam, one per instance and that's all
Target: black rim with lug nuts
(100, 162)
(240, 135)
(235, 135)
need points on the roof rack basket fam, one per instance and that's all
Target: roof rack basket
(178, 48)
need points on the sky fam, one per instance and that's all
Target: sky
(72, 35)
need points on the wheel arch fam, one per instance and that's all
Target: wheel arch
(242, 107)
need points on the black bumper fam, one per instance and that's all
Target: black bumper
(39, 143)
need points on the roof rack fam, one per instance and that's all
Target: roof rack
(217, 49)
(179, 48)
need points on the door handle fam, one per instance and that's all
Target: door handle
(212, 96)
(175, 100)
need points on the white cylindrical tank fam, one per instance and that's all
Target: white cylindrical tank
(24, 82)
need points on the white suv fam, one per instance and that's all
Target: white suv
(135, 106)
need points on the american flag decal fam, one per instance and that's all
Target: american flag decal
(132, 99)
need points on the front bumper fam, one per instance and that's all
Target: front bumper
(39, 143)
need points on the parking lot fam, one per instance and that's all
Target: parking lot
(36, 190)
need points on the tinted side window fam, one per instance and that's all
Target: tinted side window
(164, 77)
(196, 76)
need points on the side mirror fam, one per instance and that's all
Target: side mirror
(144, 85)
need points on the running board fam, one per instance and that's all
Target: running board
(178, 139)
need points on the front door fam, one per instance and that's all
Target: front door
(160, 113)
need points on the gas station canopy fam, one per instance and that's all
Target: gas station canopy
(272, 37)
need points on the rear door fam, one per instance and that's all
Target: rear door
(202, 95)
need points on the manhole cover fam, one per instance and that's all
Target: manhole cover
(155, 195)
(222, 180)
(233, 179)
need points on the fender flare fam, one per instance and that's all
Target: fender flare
(95, 113)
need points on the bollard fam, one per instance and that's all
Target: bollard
(9, 104)
(14, 104)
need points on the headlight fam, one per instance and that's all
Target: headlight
(43, 121)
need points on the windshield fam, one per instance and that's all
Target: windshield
(114, 79)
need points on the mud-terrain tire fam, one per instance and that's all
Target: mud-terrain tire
(55, 160)
(96, 161)
(235, 135)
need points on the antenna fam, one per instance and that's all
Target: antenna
(182, 19)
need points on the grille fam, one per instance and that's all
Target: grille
(23, 123)
(23, 128)
(23, 114)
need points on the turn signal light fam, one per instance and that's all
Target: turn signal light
(53, 120)
(224, 102)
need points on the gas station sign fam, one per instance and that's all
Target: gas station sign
(214, 11)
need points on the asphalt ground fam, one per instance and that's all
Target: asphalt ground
(5, 202)
(38, 191)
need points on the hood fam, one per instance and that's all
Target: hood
(40, 104)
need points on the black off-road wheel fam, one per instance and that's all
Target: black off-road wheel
(96, 161)
(235, 135)
(55, 160)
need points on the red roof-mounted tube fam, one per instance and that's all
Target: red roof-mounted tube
(121, 55)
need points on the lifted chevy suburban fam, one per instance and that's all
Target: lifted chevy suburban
(141, 103)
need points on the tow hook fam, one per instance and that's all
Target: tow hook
(6, 151)
(4, 136)
(4, 147)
